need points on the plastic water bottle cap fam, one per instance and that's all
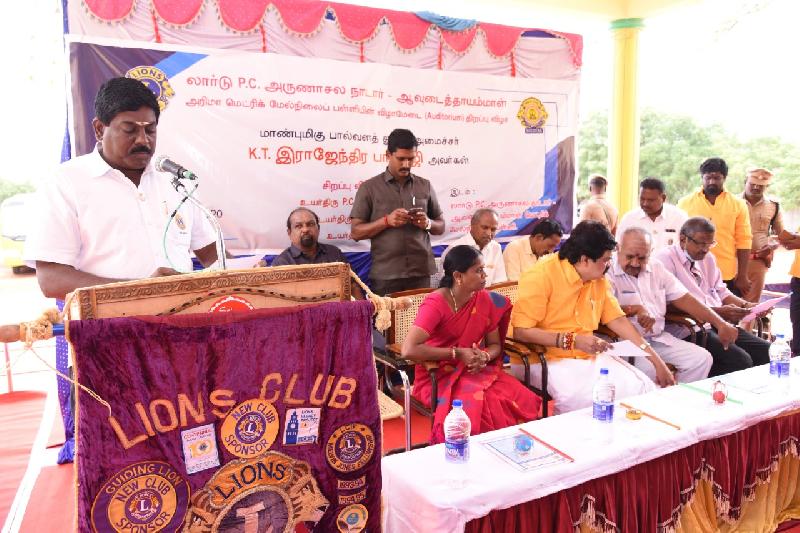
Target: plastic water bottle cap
(604, 371)
(456, 403)
(779, 336)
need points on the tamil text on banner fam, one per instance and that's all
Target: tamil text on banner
(269, 132)
(252, 421)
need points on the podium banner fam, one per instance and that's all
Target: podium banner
(242, 421)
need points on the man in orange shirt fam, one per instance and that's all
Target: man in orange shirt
(731, 218)
(562, 299)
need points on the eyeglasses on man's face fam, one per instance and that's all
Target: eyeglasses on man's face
(703, 244)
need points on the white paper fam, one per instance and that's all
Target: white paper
(762, 307)
(244, 262)
(626, 349)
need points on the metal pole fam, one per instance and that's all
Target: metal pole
(9, 379)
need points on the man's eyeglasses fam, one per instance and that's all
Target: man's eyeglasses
(703, 244)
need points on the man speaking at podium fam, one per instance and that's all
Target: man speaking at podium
(102, 217)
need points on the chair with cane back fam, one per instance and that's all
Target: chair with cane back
(392, 361)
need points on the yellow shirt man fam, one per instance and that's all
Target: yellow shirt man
(552, 296)
(792, 242)
(732, 219)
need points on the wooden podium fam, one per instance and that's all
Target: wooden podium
(181, 415)
(215, 291)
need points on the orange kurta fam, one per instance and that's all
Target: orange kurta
(552, 296)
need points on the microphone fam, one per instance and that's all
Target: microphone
(164, 164)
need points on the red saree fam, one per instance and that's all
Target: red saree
(492, 399)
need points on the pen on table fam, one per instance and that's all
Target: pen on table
(550, 446)
(645, 413)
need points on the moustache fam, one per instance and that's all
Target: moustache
(141, 150)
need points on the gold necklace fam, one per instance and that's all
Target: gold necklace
(455, 305)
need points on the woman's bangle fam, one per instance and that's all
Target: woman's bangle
(386, 220)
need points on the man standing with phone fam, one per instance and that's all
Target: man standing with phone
(398, 211)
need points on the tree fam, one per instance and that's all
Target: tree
(673, 146)
(9, 188)
(592, 151)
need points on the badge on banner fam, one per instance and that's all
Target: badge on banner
(200, 448)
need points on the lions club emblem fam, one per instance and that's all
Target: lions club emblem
(350, 447)
(272, 492)
(156, 80)
(250, 428)
(147, 496)
(532, 114)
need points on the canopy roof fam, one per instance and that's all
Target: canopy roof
(356, 23)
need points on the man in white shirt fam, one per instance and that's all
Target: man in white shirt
(521, 254)
(483, 228)
(696, 268)
(106, 216)
(662, 220)
(643, 288)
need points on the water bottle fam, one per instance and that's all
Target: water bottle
(603, 407)
(603, 398)
(780, 356)
(456, 444)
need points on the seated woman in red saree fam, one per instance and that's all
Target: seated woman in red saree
(461, 326)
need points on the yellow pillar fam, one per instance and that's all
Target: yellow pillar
(623, 123)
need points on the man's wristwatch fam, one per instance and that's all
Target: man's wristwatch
(428, 225)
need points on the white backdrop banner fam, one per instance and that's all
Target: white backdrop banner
(266, 133)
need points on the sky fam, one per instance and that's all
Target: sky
(728, 62)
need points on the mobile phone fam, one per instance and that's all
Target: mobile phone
(414, 211)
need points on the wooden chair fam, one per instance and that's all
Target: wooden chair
(523, 353)
(698, 333)
(392, 362)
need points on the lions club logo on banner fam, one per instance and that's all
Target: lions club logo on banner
(146, 496)
(156, 80)
(350, 447)
(250, 428)
(532, 114)
(272, 492)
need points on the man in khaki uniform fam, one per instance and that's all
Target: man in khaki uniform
(597, 207)
(765, 220)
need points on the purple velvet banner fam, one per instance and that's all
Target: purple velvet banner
(265, 421)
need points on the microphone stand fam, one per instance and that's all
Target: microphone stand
(180, 188)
